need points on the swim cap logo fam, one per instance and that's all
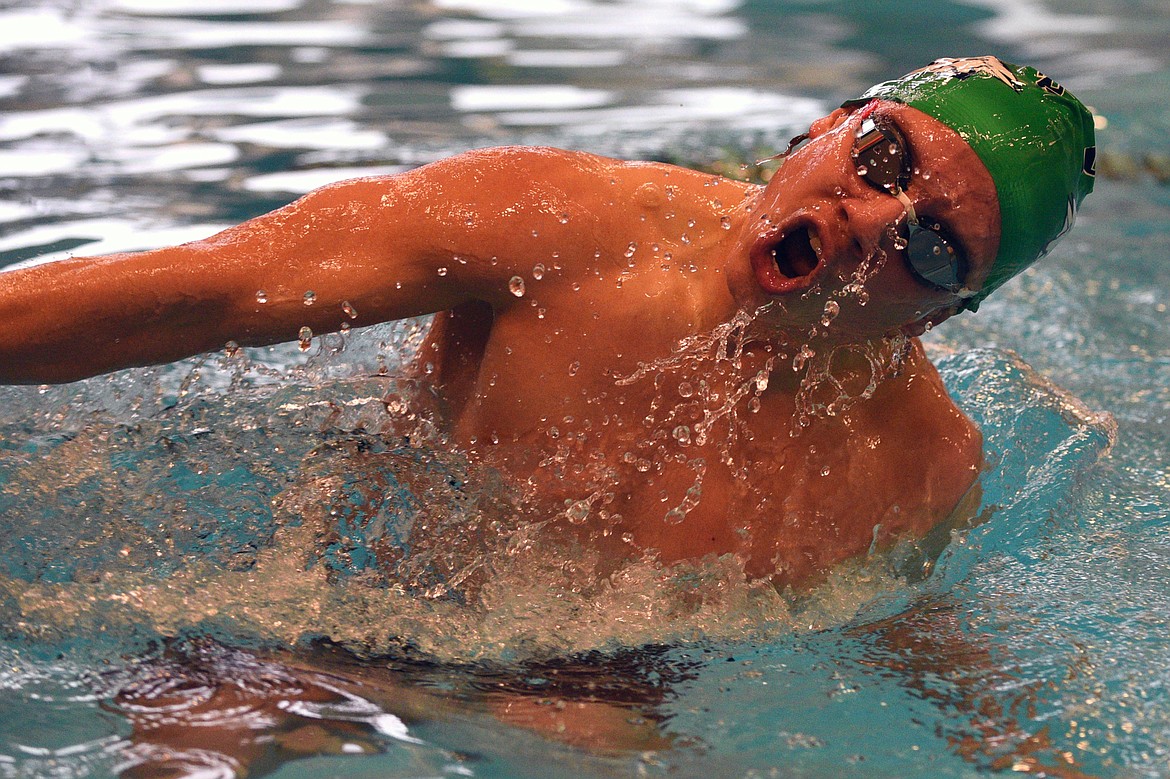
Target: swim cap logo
(1048, 85)
(962, 67)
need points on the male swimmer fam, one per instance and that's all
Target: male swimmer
(671, 364)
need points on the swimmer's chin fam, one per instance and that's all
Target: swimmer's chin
(788, 260)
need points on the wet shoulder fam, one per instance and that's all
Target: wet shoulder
(938, 446)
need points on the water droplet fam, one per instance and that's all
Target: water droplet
(309, 298)
(516, 286)
(682, 434)
(825, 471)
(349, 310)
(576, 366)
(538, 271)
(631, 249)
(686, 239)
(725, 222)
(563, 218)
(231, 348)
(802, 357)
(305, 338)
(642, 465)
(261, 296)
(540, 313)
(862, 170)
(686, 389)
(675, 516)
(832, 308)
(345, 328)
(442, 271)
(754, 405)
(578, 512)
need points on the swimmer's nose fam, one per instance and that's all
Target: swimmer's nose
(872, 220)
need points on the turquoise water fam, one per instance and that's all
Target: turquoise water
(147, 512)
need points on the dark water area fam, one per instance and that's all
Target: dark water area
(155, 521)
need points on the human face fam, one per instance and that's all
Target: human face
(824, 231)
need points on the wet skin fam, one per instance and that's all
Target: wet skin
(550, 387)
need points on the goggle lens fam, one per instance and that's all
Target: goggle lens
(932, 257)
(880, 157)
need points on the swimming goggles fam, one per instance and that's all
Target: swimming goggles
(882, 161)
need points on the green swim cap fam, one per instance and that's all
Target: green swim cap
(1034, 138)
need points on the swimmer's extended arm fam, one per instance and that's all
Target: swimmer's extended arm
(385, 248)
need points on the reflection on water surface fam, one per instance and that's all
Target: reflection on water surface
(132, 124)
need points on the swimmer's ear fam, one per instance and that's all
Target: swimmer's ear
(828, 123)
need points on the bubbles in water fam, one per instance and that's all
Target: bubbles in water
(261, 296)
(516, 286)
(349, 310)
(309, 298)
(538, 271)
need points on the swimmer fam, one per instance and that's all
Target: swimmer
(670, 364)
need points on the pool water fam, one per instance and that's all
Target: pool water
(239, 525)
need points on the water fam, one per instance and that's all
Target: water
(144, 513)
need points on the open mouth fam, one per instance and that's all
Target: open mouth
(789, 263)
